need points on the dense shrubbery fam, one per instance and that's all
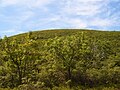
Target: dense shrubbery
(80, 61)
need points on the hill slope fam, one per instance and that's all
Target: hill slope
(61, 59)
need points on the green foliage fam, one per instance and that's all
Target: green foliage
(17, 62)
(60, 60)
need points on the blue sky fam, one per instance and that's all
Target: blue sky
(19, 16)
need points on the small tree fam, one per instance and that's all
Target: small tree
(19, 58)
(68, 50)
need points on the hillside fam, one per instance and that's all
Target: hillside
(46, 34)
(66, 59)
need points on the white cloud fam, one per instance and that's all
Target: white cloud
(76, 23)
(87, 13)
(101, 22)
(8, 2)
(83, 7)
(25, 3)
(25, 16)
(8, 31)
(17, 19)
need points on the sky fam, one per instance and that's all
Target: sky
(19, 16)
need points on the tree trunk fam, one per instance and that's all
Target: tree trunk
(69, 73)
(19, 76)
(69, 76)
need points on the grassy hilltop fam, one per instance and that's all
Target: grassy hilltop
(64, 59)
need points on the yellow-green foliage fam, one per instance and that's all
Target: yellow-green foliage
(60, 60)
